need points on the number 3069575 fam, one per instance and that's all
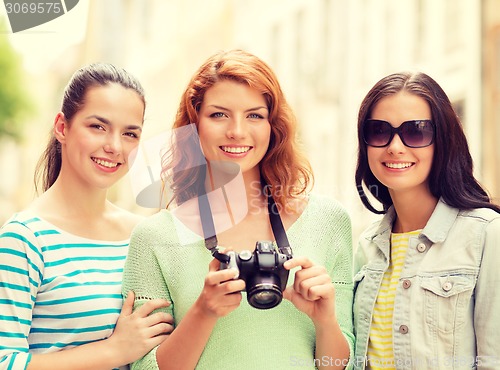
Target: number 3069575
(33, 8)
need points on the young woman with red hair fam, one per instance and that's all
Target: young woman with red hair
(236, 107)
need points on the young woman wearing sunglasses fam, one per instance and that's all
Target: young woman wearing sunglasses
(426, 277)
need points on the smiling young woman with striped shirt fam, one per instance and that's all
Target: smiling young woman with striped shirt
(61, 260)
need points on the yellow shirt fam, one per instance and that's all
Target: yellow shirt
(380, 350)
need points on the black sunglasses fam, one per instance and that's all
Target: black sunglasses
(417, 133)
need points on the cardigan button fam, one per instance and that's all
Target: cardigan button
(403, 329)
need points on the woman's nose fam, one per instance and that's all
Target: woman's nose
(236, 128)
(396, 145)
(113, 144)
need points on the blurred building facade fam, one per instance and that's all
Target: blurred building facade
(491, 96)
(326, 53)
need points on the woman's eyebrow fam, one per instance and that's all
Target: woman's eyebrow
(99, 118)
(256, 108)
(247, 110)
(108, 122)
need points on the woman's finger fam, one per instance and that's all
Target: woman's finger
(128, 304)
(150, 306)
(303, 262)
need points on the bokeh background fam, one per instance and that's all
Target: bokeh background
(326, 53)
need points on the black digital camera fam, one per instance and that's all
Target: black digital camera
(263, 272)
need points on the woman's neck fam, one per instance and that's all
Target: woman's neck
(236, 185)
(69, 198)
(412, 210)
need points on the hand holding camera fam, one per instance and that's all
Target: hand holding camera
(313, 291)
(263, 273)
(263, 270)
(221, 292)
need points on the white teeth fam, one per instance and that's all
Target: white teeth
(236, 150)
(398, 165)
(105, 163)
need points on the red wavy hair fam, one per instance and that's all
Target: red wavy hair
(284, 168)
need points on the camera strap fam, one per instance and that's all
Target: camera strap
(276, 223)
(208, 226)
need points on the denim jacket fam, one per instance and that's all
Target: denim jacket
(447, 304)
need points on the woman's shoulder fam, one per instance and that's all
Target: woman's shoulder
(491, 219)
(25, 228)
(486, 214)
(325, 212)
(157, 222)
(24, 220)
(158, 230)
(321, 203)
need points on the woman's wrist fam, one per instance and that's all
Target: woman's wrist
(200, 312)
(111, 352)
(327, 323)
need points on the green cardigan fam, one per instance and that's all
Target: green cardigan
(167, 260)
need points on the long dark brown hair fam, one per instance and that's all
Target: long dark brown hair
(451, 175)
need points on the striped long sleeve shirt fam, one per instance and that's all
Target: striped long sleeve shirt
(57, 290)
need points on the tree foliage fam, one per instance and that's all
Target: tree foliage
(13, 100)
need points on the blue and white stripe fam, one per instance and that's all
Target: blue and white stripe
(57, 290)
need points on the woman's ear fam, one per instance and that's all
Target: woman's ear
(60, 127)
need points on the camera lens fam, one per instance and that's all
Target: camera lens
(267, 298)
(264, 297)
(264, 292)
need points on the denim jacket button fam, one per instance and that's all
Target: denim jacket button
(406, 284)
(447, 286)
(421, 247)
(403, 329)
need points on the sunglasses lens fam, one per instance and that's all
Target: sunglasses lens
(417, 134)
(414, 134)
(377, 133)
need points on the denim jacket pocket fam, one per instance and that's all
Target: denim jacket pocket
(446, 299)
